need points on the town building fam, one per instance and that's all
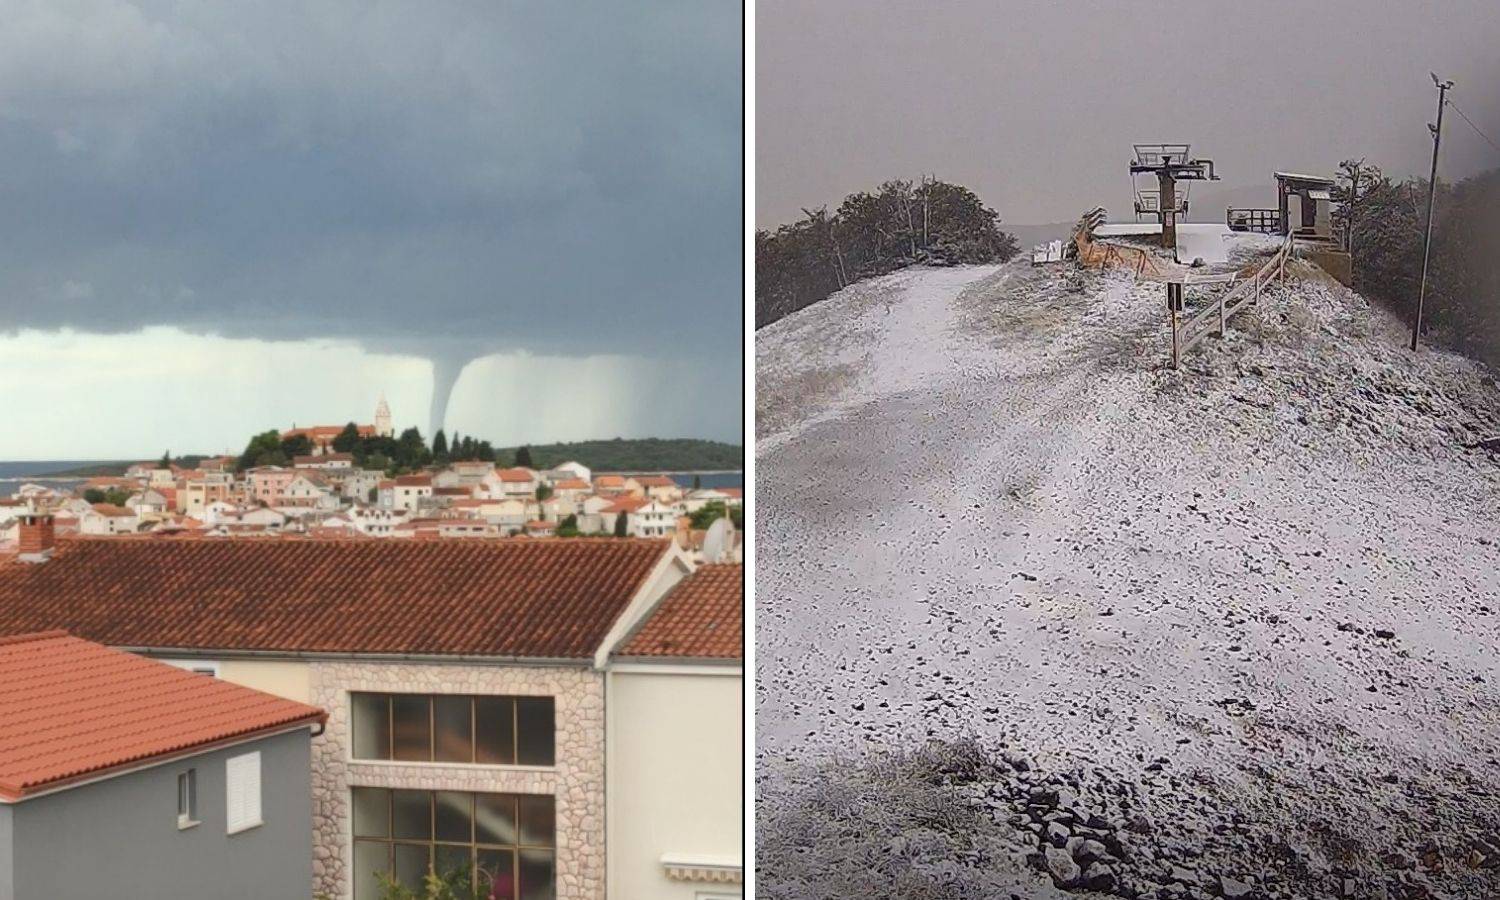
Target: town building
(567, 470)
(675, 724)
(653, 519)
(108, 519)
(121, 776)
(409, 492)
(659, 487)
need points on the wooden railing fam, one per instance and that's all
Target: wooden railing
(1211, 319)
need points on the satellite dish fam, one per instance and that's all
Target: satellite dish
(716, 542)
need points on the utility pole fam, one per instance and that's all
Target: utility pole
(1437, 137)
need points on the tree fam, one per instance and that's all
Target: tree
(347, 440)
(166, 460)
(264, 449)
(714, 510)
(568, 527)
(697, 483)
(113, 496)
(411, 450)
(871, 234)
(440, 445)
(523, 457)
(621, 526)
(543, 492)
(297, 445)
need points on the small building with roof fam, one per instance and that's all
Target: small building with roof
(122, 776)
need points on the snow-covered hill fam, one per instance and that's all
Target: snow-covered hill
(1262, 594)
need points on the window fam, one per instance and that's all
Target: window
(187, 798)
(242, 792)
(457, 728)
(201, 667)
(504, 844)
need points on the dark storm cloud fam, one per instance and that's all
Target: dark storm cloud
(443, 178)
(1034, 104)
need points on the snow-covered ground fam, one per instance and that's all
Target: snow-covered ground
(986, 507)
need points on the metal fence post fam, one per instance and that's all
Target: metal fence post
(1174, 298)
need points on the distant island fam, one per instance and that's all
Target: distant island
(638, 455)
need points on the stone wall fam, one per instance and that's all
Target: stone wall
(576, 781)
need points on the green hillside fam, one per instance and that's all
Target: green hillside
(643, 454)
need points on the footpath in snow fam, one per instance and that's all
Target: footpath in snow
(1260, 596)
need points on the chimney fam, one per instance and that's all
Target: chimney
(36, 540)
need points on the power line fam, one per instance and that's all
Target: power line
(1475, 127)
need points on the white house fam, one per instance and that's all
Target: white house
(655, 519)
(696, 500)
(108, 519)
(567, 470)
(674, 752)
(358, 483)
(519, 482)
(373, 521)
(409, 491)
(308, 492)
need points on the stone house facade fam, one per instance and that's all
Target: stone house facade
(576, 781)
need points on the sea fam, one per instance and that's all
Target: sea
(13, 474)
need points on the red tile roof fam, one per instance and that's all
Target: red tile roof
(571, 484)
(555, 599)
(654, 481)
(515, 475)
(702, 618)
(71, 709)
(627, 505)
(414, 480)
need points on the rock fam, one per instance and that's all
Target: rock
(1233, 888)
(1057, 834)
(1089, 851)
(1183, 876)
(1098, 877)
(1065, 873)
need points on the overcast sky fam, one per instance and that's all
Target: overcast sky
(217, 218)
(1034, 105)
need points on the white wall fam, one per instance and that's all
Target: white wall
(674, 783)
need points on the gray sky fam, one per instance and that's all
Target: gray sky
(1035, 105)
(371, 195)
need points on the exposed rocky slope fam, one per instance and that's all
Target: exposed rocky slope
(1249, 608)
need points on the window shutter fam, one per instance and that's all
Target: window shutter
(242, 784)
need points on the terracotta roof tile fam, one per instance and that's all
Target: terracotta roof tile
(654, 481)
(627, 505)
(73, 709)
(555, 599)
(702, 618)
